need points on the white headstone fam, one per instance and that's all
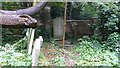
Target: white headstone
(36, 50)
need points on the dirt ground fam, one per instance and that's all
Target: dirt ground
(51, 52)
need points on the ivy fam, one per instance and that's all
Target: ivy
(108, 16)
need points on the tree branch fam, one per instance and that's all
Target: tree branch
(29, 11)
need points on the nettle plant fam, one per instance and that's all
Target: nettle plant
(108, 18)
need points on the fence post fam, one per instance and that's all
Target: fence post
(0, 26)
(30, 40)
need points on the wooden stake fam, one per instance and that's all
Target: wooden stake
(31, 33)
(63, 41)
(31, 41)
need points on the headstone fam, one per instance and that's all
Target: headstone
(36, 51)
(58, 27)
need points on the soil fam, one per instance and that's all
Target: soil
(51, 51)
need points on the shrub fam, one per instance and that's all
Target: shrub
(113, 41)
(109, 19)
(92, 53)
(9, 57)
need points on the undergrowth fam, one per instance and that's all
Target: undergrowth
(92, 53)
(87, 52)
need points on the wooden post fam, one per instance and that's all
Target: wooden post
(0, 26)
(31, 33)
(31, 38)
(63, 42)
(36, 50)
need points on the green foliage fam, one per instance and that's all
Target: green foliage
(5, 5)
(113, 42)
(21, 44)
(12, 5)
(91, 7)
(11, 36)
(77, 10)
(109, 19)
(59, 61)
(89, 53)
(9, 57)
(57, 9)
(15, 59)
(42, 55)
(93, 53)
(108, 26)
(45, 33)
(83, 10)
(71, 37)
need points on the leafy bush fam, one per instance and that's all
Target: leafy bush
(8, 57)
(113, 41)
(57, 9)
(10, 35)
(109, 19)
(108, 26)
(81, 10)
(93, 53)
(59, 61)
(45, 33)
(21, 44)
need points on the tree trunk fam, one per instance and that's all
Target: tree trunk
(11, 19)
(17, 21)
(29, 11)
